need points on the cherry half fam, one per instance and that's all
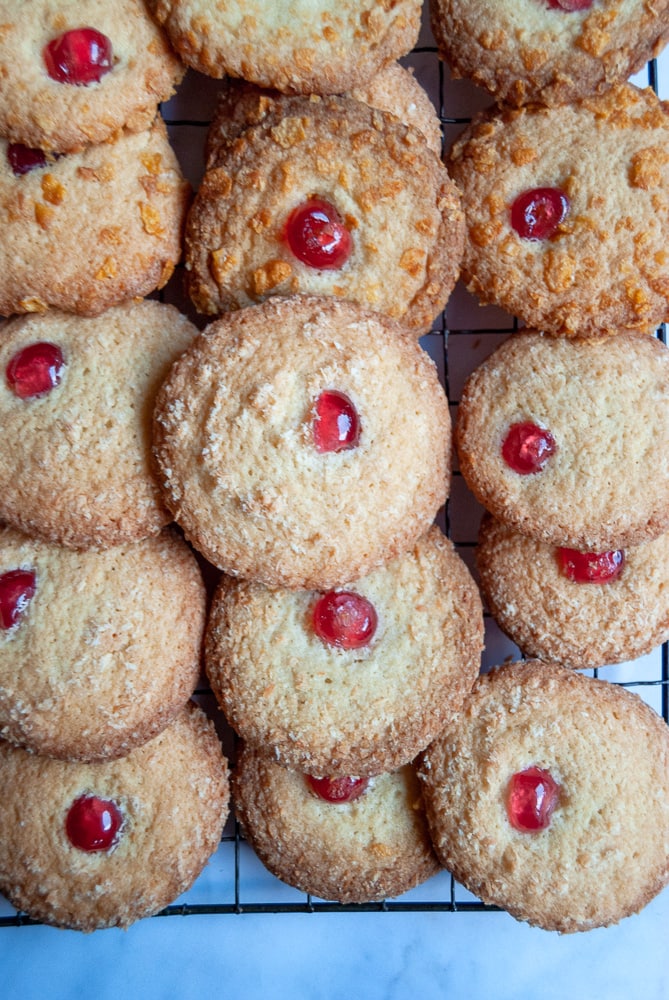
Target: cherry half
(80, 57)
(527, 447)
(338, 790)
(316, 235)
(93, 824)
(570, 5)
(537, 213)
(591, 567)
(344, 619)
(22, 159)
(336, 426)
(531, 799)
(35, 370)
(17, 589)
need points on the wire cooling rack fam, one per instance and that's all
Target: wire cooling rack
(235, 881)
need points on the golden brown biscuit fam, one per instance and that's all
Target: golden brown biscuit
(540, 595)
(392, 234)
(76, 463)
(354, 852)
(602, 853)
(354, 681)
(303, 47)
(595, 413)
(242, 442)
(171, 796)
(559, 200)
(98, 650)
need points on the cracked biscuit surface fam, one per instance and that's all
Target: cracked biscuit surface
(605, 268)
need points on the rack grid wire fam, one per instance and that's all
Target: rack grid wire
(235, 882)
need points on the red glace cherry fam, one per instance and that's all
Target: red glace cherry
(338, 790)
(22, 159)
(344, 619)
(527, 448)
(17, 589)
(570, 4)
(532, 796)
(316, 235)
(93, 824)
(336, 425)
(591, 567)
(35, 370)
(80, 57)
(536, 214)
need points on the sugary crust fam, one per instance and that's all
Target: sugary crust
(91, 229)
(173, 793)
(321, 709)
(526, 50)
(579, 625)
(40, 112)
(76, 464)
(391, 190)
(608, 155)
(606, 403)
(299, 46)
(396, 90)
(604, 854)
(362, 851)
(234, 444)
(107, 651)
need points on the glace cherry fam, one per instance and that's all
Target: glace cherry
(570, 5)
(17, 589)
(316, 235)
(338, 790)
(536, 214)
(35, 370)
(344, 619)
(591, 567)
(531, 799)
(93, 824)
(22, 159)
(336, 426)
(527, 448)
(81, 56)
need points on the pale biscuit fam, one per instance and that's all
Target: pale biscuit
(88, 230)
(173, 797)
(390, 190)
(608, 156)
(107, 650)
(38, 111)
(237, 458)
(604, 854)
(300, 46)
(76, 463)
(606, 404)
(577, 624)
(323, 709)
(537, 50)
(362, 851)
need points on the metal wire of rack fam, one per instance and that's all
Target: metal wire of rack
(235, 882)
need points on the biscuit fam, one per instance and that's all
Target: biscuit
(547, 51)
(353, 852)
(603, 854)
(76, 463)
(304, 47)
(243, 449)
(557, 200)
(602, 405)
(40, 111)
(321, 707)
(105, 652)
(552, 616)
(86, 231)
(172, 795)
(400, 225)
